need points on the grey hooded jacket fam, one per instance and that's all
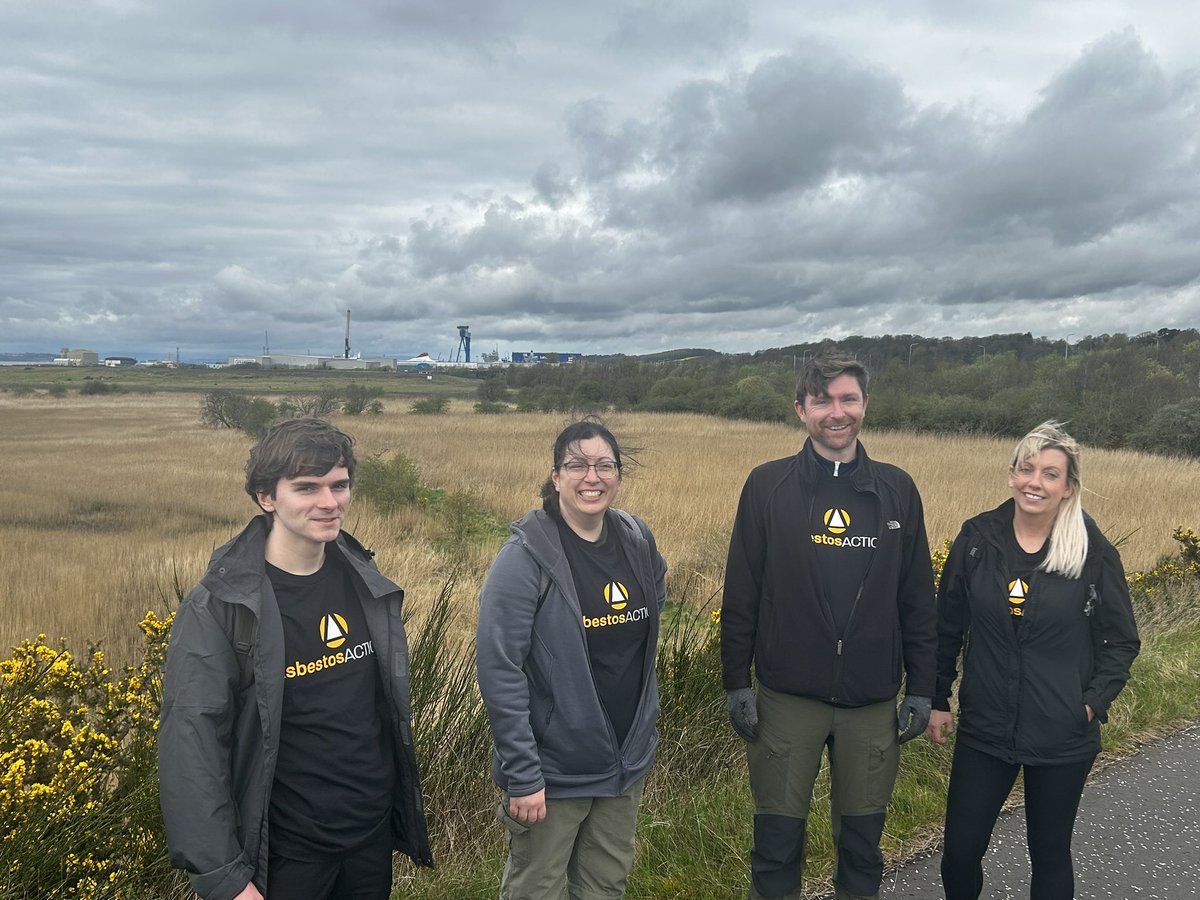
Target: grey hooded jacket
(549, 727)
(218, 742)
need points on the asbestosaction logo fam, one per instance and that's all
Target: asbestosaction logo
(837, 524)
(837, 520)
(616, 595)
(335, 633)
(333, 630)
(1018, 591)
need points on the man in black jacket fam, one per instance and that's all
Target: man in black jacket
(285, 752)
(829, 593)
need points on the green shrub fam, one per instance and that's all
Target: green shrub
(492, 389)
(487, 407)
(57, 390)
(465, 520)
(94, 387)
(388, 483)
(359, 399)
(430, 406)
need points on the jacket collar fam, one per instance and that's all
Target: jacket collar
(863, 476)
(237, 568)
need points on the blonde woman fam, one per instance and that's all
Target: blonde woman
(1037, 595)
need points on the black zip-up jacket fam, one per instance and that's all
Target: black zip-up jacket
(1024, 690)
(775, 611)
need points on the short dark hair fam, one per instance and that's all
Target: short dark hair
(583, 430)
(297, 447)
(822, 369)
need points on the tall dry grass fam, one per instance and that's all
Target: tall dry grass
(107, 501)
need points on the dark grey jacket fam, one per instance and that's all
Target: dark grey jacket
(217, 750)
(548, 724)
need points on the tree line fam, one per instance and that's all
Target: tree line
(1140, 391)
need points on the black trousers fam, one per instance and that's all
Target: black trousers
(979, 785)
(360, 873)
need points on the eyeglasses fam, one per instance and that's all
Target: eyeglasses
(577, 468)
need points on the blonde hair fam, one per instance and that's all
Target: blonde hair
(1068, 536)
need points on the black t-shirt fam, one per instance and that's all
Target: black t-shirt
(616, 620)
(333, 780)
(844, 534)
(1022, 567)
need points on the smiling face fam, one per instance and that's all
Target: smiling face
(583, 497)
(307, 511)
(1040, 483)
(834, 418)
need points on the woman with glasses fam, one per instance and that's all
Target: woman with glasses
(1037, 596)
(568, 629)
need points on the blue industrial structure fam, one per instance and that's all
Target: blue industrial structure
(464, 343)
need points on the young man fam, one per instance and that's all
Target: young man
(829, 592)
(285, 752)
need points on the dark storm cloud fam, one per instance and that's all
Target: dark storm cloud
(624, 176)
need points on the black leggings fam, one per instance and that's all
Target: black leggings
(979, 785)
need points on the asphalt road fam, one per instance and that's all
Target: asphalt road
(1137, 836)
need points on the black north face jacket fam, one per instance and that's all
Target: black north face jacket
(775, 612)
(1023, 691)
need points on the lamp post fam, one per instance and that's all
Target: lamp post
(1067, 344)
(910, 349)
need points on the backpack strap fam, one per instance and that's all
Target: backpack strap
(543, 589)
(245, 637)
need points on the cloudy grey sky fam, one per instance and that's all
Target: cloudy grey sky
(595, 177)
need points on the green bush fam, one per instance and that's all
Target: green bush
(57, 390)
(359, 399)
(487, 407)
(430, 406)
(93, 387)
(388, 483)
(492, 389)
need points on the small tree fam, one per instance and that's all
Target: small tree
(317, 406)
(225, 409)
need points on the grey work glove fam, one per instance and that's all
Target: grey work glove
(743, 713)
(913, 716)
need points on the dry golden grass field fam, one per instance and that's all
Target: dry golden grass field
(108, 500)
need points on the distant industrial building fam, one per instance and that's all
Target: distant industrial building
(118, 362)
(541, 357)
(77, 358)
(294, 361)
